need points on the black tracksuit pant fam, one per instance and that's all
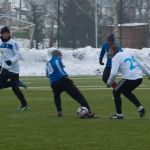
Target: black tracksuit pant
(126, 87)
(13, 82)
(106, 74)
(67, 85)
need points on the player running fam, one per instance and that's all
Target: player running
(9, 73)
(60, 82)
(21, 83)
(105, 50)
(132, 71)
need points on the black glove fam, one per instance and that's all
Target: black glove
(100, 62)
(8, 62)
(108, 85)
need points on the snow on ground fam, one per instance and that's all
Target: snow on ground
(82, 61)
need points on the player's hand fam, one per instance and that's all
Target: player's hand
(8, 62)
(108, 86)
(101, 63)
(114, 85)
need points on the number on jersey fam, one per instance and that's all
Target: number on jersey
(131, 61)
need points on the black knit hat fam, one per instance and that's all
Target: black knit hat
(5, 29)
(111, 37)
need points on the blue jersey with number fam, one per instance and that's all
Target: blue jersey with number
(55, 70)
(105, 50)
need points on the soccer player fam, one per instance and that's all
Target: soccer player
(9, 73)
(60, 82)
(21, 83)
(105, 50)
(132, 71)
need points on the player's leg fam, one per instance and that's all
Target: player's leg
(118, 106)
(14, 78)
(136, 102)
(4, 76)
(22, 84)
(73, 91)
(133, 84)
(106, 74)
(57, 98)
(132, 98)
(5, 82)
(117, 100)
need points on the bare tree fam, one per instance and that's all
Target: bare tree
(147, 5)
(52, 11)
(115, 18)
(139, 5)
(143, 7)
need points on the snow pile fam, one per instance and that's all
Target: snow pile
(83, 61)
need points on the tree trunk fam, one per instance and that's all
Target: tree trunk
(51, 44)
(115, 18)
(149, 18)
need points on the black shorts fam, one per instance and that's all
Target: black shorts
(12, 77)
(127, 85)
(62, 85)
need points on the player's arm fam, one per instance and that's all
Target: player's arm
(114, 71)
(49, 69)
(101, 56)
(17, 56)
(143, 68)
(60, 67)
(46, 68)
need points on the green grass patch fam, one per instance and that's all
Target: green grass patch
(40, 129)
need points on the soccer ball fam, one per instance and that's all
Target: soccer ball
(82, 112)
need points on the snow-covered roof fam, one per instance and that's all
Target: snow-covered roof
(131, 24)
(25, 9)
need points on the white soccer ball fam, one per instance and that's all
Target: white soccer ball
(82, 112)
